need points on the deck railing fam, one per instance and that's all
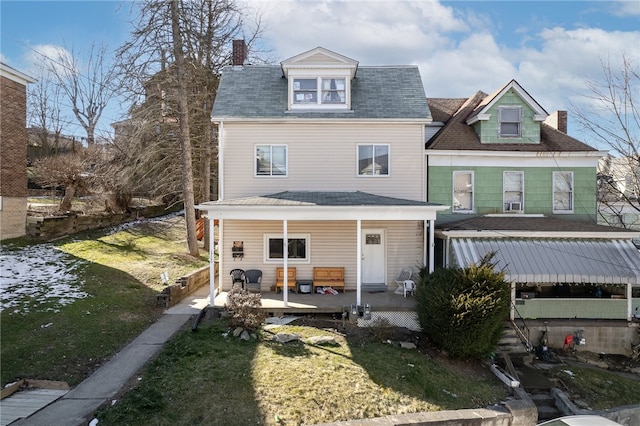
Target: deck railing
(561, 308)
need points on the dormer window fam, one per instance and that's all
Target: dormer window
(319, 91)
(510, 125)
(319, 80)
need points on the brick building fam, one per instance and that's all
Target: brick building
(13, 151)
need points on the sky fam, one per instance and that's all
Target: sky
(552, 48)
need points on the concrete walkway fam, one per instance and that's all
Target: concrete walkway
(78, 406)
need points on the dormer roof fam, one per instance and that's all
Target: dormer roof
(480, 113)
(319, 58)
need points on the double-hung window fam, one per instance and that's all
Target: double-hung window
(563, 192)
(513, 191)
(373, 160)
(319, 91)
(463, 191)
(271, 160)
(297, 248)
(510, 122)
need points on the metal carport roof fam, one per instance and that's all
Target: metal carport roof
(596, 261)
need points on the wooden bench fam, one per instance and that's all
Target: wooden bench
(291, 279)
(328, 277)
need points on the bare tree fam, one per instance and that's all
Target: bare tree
(45, 117)
(87, 84)
(206, 29)
(67, 171)
(612, 119)
(183, 120)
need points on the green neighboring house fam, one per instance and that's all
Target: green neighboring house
(519, 186)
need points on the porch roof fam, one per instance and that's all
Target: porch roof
(555, 260)
(315, 205)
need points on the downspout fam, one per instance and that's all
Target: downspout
(358, 262)
(220, 162)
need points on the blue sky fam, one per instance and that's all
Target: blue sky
(550, 47)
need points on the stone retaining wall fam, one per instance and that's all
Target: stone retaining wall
(48, 228)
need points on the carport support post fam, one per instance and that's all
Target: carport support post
(629, 302)
(358, 262)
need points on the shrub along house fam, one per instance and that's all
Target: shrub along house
(328, 156)
(519, 186)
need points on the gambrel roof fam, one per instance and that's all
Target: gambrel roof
(377, 92)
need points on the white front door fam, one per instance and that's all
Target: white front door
(374, 266)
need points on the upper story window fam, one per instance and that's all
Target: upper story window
(271, 160)
(373, 160)
(319, 91)
(510, 122)
(462, 191)
(513, 192)
(563, 192)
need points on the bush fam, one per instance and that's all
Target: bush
(244, 308)
(463, 311)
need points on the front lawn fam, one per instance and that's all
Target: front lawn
(210, 377)
(69, 306)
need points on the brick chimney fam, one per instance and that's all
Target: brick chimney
(558, 120)
(239, 54)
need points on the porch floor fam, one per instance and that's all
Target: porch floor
(299, 303)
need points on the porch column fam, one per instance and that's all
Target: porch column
(358, 262)
(212, 264)
(629, 302)
(431, 245)
(285, 258)
(512, 307)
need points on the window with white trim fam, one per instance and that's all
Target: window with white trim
(513, 191)
(319, 91)
(298, 248)
(563, 192)
(373, 160)
(463, 191)
(510, 122)
(271, 160)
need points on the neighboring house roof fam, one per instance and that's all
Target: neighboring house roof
(458, 135)
(15, 75)
(480, 111)
(260, 92)
(531, 224)
(314, 205)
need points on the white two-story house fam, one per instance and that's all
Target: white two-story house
(328, 156)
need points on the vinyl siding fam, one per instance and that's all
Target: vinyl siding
(322, 157)
(332, 244)
(538, 190)
(488, 130)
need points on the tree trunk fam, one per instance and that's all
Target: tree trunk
(69, 193)
(183, 118)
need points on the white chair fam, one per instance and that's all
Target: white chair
(405, 275)
(409, 286)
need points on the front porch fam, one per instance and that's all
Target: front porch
(310, 303)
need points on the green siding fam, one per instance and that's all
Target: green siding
(488, 130)
(538, 189)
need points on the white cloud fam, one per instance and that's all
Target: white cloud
(454, 46)
(626, 8)
(41, 56)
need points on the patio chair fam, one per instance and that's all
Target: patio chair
(404, 282)
(237, 276)
(253, 279)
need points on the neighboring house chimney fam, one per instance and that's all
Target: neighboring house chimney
(558, 120)
(239, 52)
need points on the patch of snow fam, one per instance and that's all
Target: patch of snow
(38, 277)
